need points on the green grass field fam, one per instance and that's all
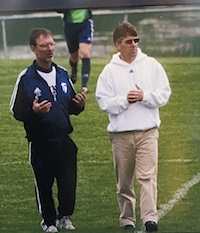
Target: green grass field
(96, 207)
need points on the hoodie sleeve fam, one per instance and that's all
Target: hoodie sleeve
(107, 99)
(160, 95)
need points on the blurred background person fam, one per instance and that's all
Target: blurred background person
(78, 30)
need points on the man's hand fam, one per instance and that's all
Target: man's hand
(135, 95)
(42, 107)
(80, 98)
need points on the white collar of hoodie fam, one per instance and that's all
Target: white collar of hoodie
(116, 58)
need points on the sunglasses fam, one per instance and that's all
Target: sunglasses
(136, 40)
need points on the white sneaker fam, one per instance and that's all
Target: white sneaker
(65, 223)
(51, 228)
(45, 228)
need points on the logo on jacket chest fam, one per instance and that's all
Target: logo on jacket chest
(64, 87)
(53, 90)
(37, 92)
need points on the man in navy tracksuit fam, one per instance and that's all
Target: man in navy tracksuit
(43, 98)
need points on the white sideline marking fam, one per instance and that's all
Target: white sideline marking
(14, 163)
(179, 160)
(165, 208)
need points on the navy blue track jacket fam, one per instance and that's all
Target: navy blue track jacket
(54, 124)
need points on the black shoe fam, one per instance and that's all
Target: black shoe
(151, 226)
(128, 227)
(73, 78)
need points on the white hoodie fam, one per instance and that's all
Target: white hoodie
(118, 78)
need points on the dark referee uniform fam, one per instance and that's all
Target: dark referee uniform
(53, 154)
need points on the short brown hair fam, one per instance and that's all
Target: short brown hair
(123, 30)
(36, 32)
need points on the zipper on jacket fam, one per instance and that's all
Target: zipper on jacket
(54, 92)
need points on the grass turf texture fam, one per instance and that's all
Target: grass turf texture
(96, 207)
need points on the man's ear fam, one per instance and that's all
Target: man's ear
(117, 45)
(33, 48)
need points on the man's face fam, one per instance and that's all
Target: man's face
(44, 49)
(128, 47)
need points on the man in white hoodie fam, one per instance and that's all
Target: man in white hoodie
(131, 89)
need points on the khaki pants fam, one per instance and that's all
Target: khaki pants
(136, 152)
